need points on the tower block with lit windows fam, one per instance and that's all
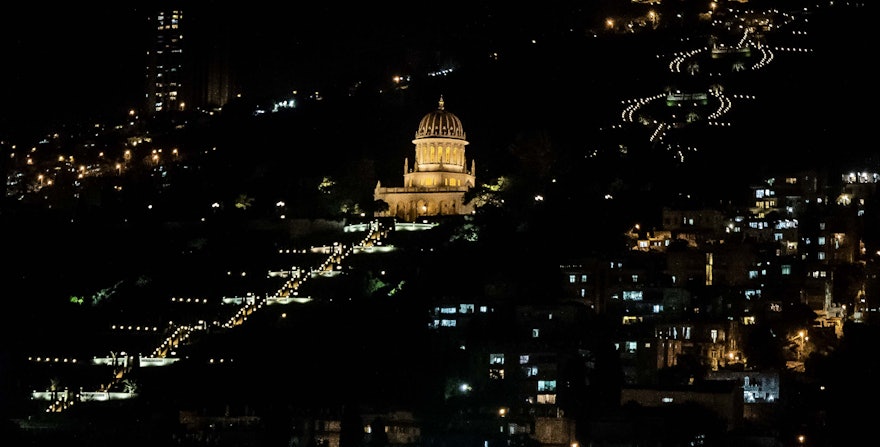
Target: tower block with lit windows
(188, 63)
(439, 178)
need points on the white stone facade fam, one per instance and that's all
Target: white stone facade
(439, 178)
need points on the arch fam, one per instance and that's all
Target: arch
(447, 207)
(400, 210)
(423, 208)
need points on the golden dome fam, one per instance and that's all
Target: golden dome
(440, 123)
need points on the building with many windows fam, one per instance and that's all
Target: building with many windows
(165, 62)
(188, 66)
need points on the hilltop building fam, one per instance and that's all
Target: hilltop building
(439, 177)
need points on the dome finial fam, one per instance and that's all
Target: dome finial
(441, 103)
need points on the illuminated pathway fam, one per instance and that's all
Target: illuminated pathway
(180, 333)
(691, 62)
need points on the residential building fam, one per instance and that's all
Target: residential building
(188, 64)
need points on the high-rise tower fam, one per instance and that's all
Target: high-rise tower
(166, 63)
(188, 66)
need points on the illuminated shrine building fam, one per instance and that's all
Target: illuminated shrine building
(439, 178)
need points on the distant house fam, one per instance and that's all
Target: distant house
(724, 398)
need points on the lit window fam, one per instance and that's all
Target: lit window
(496, 374)
(632, 295)
(583, 278)
(536, 333)
(635, 278)
(547, 399)
(547, 385)
(821, 240)
(571, 279)
(786, 269)
(821, 255)
(496, 359)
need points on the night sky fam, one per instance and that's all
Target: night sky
(69, 61)
(75, 61)
(83, 62)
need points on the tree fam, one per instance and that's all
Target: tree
(243, 202)
(380, 206)
(763, 347)
(130, 386)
